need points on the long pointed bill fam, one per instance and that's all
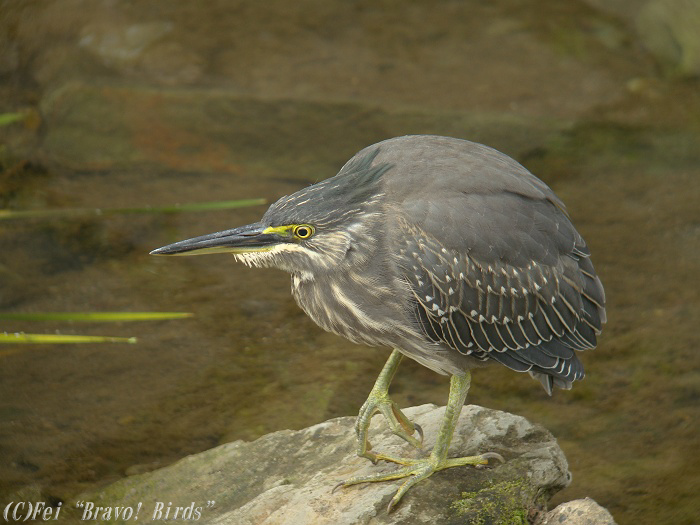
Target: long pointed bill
(246, 239)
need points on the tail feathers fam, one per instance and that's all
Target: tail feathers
(549, 382)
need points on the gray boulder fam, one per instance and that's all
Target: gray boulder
(288, 476)
(578, 512)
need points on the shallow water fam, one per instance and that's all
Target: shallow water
(250, 362)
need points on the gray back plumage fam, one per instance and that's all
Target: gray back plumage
(470, 258)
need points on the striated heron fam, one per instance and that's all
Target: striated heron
(445, 250)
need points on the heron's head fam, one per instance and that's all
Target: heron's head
(329, 224)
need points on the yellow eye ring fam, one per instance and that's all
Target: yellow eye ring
(303, 231)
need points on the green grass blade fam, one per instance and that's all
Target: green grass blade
(9, 118)
(93, 316)
(199, 206)
(176, 208)
(21, 337)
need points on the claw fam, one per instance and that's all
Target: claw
(489, 455)
(493, 455)
(419, 429)
(372, 456)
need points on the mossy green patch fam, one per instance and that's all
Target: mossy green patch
(497, 504)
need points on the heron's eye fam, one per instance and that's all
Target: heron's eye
(303, 231)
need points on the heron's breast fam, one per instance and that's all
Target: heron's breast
(352, 307)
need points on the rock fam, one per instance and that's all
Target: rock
(578, 512)
(141, 50)
(121, 43)
(100, 127)
(669, 29)
(288, 476)
(172, 64)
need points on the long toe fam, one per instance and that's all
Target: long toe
(416, 470)
(398, 423)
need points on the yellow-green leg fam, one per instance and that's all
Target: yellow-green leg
(379, 401)
(419, 469)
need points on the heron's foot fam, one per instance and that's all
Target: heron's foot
(417, 470)
(399, 424)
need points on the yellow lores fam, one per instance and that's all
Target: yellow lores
(298, 231)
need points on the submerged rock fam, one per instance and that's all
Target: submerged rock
(289, 476)
(100, 127)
